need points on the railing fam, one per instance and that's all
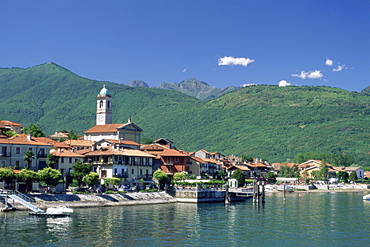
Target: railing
(24, 200)
(21, 195)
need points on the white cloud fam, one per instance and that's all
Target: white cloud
(340, 68)
(184, 70)
(309, 75)
(235, 61)
(329, 62)
(284, 83)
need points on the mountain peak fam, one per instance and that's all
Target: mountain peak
(137, 83)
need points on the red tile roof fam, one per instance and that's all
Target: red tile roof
(52, 142)
(8, 123)
(173, 152)
(124, 142)
(79, 143)
(66, 153)
(108, 128)
(21, 140)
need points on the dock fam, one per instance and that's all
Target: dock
(49, 215)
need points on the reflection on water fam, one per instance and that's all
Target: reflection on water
(303, 219)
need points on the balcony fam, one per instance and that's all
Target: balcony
(121, 175)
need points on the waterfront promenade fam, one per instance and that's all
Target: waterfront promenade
(142, 198)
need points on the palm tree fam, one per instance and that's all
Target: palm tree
(28, 156)
(51, 160)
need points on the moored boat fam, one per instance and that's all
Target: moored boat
(59, 210)
(366, 197)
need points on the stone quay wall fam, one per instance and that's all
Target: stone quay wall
(96, 200)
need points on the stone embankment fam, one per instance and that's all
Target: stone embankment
(98, 200)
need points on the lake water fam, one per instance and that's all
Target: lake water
(303, 219)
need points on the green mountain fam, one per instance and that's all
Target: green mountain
(197, 89)
(271, 122)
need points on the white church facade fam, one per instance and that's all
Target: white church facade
(105, 129)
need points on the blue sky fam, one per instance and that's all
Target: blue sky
(223, 43)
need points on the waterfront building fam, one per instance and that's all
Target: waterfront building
(360, 173)
(129, 164)
(307, 169)
(173, 161)
(64, 160)
(114, 149)
(13, 149)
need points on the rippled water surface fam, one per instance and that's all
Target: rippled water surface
(304, 219)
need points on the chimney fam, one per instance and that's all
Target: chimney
(29, 137)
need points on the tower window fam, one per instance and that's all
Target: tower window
(108, 104)
(101, 104)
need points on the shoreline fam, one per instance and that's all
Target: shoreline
(127, 199)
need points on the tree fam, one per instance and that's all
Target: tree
(51, 160)
(91, 179)
(161, 178)
(270, 175)
(239, 176)
(73, 135)
(147, 141)
(34, 130)
(179, 176)
(28, 156)
(49, 176)
(9, 133)
(80, 170)
(342, 176)
(352, 176)
(7, 174)
(247, 158)
(112, 181)
(324, 171)
(288, 172)
(142, 182)
(27, 176)
(221, 174)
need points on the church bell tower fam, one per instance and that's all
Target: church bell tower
(104, 107)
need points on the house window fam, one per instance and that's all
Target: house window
(30, 149)
(176, 159)
(103, 173)
(141, 171)
(17, 150)
(62, 160)
(115, 171)
(132, 171)
(42, 152)
(70, 160)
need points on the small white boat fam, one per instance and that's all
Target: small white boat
(63, 210)
(366, 197)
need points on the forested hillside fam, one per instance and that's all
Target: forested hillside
(271, 122)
